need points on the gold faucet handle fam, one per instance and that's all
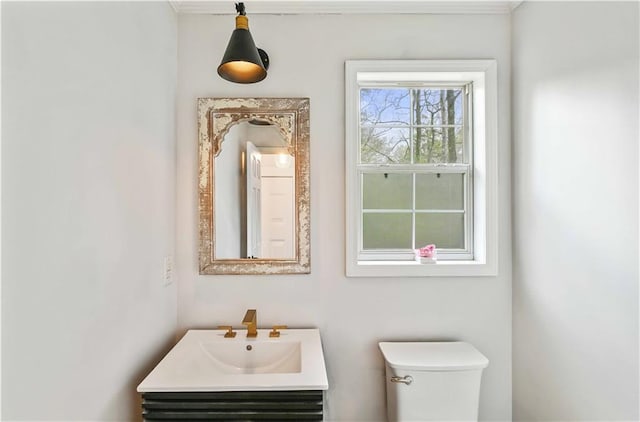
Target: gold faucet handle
(274, 330)
(230, 333)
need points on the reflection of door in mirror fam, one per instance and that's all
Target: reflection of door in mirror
(255, 194)
(278, 201)
(254, 202)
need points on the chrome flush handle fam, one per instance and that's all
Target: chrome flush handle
(407, 379)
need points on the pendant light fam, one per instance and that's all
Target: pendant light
(242, 62)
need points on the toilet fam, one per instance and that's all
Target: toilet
(432, 381)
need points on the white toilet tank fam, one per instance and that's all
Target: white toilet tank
(432, 381)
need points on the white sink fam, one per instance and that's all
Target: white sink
(255, 357)
(203, 360)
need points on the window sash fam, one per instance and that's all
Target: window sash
(465, 168)
(467, 118)
(391, 254)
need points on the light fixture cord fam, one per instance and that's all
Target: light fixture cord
(240, 9)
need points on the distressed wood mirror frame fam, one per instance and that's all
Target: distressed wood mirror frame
(216, 116)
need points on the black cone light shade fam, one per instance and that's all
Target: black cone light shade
(242, 62)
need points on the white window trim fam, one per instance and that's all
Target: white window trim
(483, 74)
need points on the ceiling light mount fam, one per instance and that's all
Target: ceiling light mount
(243, 62)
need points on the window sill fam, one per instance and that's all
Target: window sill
(469, 268)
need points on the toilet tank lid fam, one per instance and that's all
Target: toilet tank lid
(433, 356)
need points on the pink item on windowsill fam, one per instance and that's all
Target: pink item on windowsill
(426, 255)
(428, 251)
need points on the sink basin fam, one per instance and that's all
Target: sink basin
(203, 360)
(258, 357)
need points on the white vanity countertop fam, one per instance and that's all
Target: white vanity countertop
(190, 367)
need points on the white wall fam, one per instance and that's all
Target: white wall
(352, 314)
(88, 207)
(575, 164)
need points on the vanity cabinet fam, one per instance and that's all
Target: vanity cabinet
(249, 377)
(233, 405)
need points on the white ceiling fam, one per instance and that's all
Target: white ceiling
(218, 7)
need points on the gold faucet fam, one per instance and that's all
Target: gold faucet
(250, 320)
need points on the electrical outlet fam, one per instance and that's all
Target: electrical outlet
(167, 270)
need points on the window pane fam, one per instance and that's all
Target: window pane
(438, 145)
(387, 191)
(438, 106)
(443, 230)
(384, 146)
(384, 106)
(386, 231)
(440, 192)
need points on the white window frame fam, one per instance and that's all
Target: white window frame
(482, 74)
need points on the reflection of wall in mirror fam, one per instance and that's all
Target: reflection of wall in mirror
(228, 197)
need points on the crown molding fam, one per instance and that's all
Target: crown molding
(513, 5)
(174, 5)
(320, 7)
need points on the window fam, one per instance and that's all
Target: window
(421, 166)
(415, 170)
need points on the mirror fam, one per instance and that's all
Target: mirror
(254, 193)
(254, 185)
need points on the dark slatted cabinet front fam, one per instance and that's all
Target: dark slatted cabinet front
(233, 406)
